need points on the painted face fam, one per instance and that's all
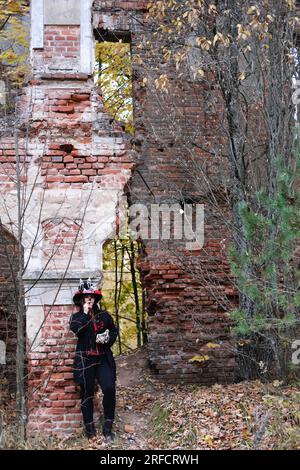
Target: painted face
(89, 300)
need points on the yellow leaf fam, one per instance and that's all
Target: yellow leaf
(212, 9)
(251, 10)
(242, 32)
(216, 38)
(291, 4)
(245, 433)
(212, 345)
(277, 383)
(209, 439)
(198, 358)
(161, 83)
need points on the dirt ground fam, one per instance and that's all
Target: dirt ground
(137, 391)
(153, 415)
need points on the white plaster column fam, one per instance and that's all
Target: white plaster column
(37, 24)
(87, 43)
(65, 12)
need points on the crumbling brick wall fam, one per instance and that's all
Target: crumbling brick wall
(53, 400)
(75, 158)
(75, 164)
(189, 294)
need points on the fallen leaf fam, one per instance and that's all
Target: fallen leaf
(128, 428)
(198, 358)
(209, 439)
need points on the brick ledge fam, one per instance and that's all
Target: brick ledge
(64, 76)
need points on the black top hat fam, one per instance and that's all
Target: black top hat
(85, 288)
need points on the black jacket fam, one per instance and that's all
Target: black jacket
(83, 326)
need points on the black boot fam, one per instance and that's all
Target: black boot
(90, 430)
(107, 430)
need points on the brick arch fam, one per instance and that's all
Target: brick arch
(62, 237)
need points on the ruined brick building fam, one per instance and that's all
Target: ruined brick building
(75, 162)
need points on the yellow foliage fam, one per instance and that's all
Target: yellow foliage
(203, 42)
(217, 37)
(291, 4)
(14, 47)
(212, 345)
(212, 9)
(161, 83)
(253, 10)
(115, 80)
(118, 290)
(243, 33)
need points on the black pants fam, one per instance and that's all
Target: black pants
(100, 369)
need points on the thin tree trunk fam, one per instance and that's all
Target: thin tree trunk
(131, 255)
(116, 301)
(20, 353)
(230, 85)
(144, 327)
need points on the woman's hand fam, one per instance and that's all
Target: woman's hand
(86, 308)
(89, 301)
(103, 338)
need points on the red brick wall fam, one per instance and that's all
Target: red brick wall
(61, 49)
(8, 161)
(71, 158)
(188, 295)
(61, 41)
(53, 401)
(62, 237)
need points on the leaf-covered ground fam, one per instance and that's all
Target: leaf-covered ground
(152, 415)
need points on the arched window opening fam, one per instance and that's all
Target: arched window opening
(123, 294)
